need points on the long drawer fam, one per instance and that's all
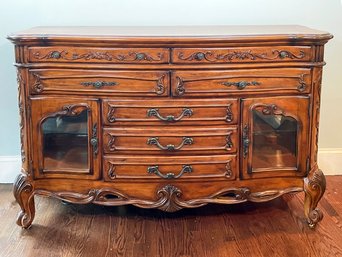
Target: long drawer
(169, 111)
(226, 82)
(242, 54)
(98, 55)
(99, 82)
(170, 140)
(169, 168)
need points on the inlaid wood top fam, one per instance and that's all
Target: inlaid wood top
(162, 33)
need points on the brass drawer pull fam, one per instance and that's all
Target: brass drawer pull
(98, 84)
(155, 170)
(241, 84)
(170, 118)
(170, 147)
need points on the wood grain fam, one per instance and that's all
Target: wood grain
(214, 230)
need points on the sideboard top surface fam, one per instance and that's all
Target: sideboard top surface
(171, 34)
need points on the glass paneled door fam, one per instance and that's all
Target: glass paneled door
(66, 137)
(275, 136)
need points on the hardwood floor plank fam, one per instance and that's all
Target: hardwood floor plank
(275, 228)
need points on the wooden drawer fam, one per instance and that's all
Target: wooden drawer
(98, 55)
(242, 54)
(169, 168)
(170, 140)
(226, 82)
(102, 82)
(170, 112)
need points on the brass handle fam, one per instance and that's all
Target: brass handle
(170, 118)
(170, 147)
(155, 170)
(241, 84)
(94, 140)
(245, 141)
(99, 84)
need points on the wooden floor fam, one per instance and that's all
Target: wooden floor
(276, 228)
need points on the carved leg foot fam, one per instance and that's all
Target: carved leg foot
(23, 193)
(314, 187)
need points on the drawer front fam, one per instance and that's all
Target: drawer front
(174, 140)
(98, 55)
(170, 112)
(242, 54)
(118, 83)
(217, 82)
(169, 168)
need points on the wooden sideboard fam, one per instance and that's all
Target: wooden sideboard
(169, 117)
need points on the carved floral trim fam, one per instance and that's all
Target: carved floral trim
(97, 55)
(240, 55)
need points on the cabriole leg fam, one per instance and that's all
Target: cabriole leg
(23, 193)
(314, 187)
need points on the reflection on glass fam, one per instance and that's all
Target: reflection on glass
(65, 142)
(274, 141)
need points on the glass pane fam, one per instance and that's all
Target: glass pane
(65, 142)
(274, 141)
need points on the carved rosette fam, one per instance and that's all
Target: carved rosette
(314, 188)
(23, 193)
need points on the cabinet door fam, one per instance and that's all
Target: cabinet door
(275, 136)
(66, 134)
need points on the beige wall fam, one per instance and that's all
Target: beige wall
(20, 14)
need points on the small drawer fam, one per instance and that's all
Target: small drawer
(226, 82)
(169, 168)
(242, 54)
(99, 82)
(98, 55)
(170, 112)
(170, 140)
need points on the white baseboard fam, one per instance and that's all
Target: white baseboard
(329, 160)
(10, 167)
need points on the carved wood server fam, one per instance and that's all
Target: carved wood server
(169, 117)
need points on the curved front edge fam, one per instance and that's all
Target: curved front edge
(24, 194)
(168, 197)
(314, 188)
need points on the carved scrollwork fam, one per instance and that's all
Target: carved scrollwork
(21, 86)
(240, 55)
(65, 55)
(283, 54)
(180, 89)
(302, 85)
(229, 172)
(229, 116)
(198, 56)
(23, 192)
(110, 113)
(133, 56)
(37, 86)
(314, 188)
(229, 143)
(269, 109)
(160, 88)
(169, 197)
(111, 142)
(111, 170)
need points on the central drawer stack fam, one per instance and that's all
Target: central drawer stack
(147, 138)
